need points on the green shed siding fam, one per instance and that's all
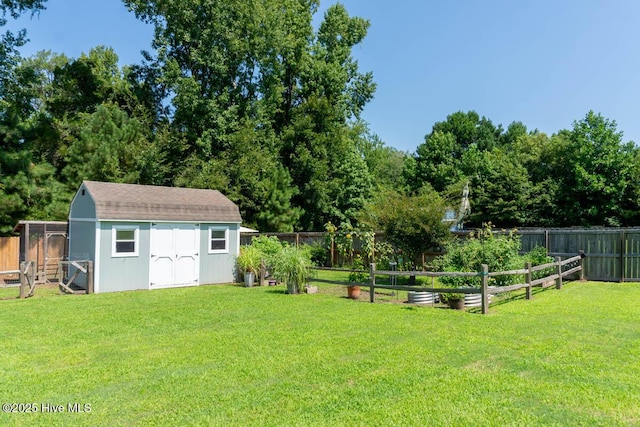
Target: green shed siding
(123, 273)
(218, 268)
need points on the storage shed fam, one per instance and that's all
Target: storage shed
(149, 237)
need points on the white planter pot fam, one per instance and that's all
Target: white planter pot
(422, 297)
(474, 300)
(248, 279)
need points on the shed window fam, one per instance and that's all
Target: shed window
(125, 241)
(218, 240)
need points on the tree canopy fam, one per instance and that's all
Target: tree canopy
(254, 99)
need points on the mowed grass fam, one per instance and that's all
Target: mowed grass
(228, 355)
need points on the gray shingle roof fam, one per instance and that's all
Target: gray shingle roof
(154, 203)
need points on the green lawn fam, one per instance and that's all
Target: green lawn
(228, 355)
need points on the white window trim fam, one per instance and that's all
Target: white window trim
(136, 240)
(226, 240)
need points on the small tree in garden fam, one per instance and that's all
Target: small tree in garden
(411, 223)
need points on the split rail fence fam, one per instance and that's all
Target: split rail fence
(561, 269)
(74, 277)
(23, 278)
(613, 254)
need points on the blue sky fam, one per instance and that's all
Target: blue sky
(545, 63)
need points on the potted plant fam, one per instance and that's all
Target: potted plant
(357, 276)
(293, 267)
(249, 262)
(455, 300)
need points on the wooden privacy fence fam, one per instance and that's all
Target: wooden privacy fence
(561, 269)
(613, 254)
(9, 253)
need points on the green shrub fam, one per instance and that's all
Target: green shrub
(269, 247)
(539, 256)
(319, 254)
(498, 251)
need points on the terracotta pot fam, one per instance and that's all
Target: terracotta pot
(353, 292)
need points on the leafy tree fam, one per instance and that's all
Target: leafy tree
(438, 161)
(411, 223)
(111, 147)
(541, 156)
(198, 173)
(596, 174)
(630, 204)
(27, 187)
(277, 214)
(9, 42)
(500, 188)
(351, 187)
(385, 164)
(251, 80)
(514, 131)
(29, 191)
(469, 129)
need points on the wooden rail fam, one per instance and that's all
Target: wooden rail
(26, 279)
(553, 279)
(3, 281)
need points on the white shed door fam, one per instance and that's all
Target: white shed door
(174, 255)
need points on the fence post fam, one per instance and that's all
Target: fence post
(372, 278)
(485, 286)
(23, 280)
(89, 277)
(559, 272)
(527, 266)
(32, 273)
(582, 255)
(622, 256)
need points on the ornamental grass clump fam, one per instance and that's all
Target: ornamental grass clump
(249, 259)
(293, 267)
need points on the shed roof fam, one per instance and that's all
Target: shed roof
(155, 203)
